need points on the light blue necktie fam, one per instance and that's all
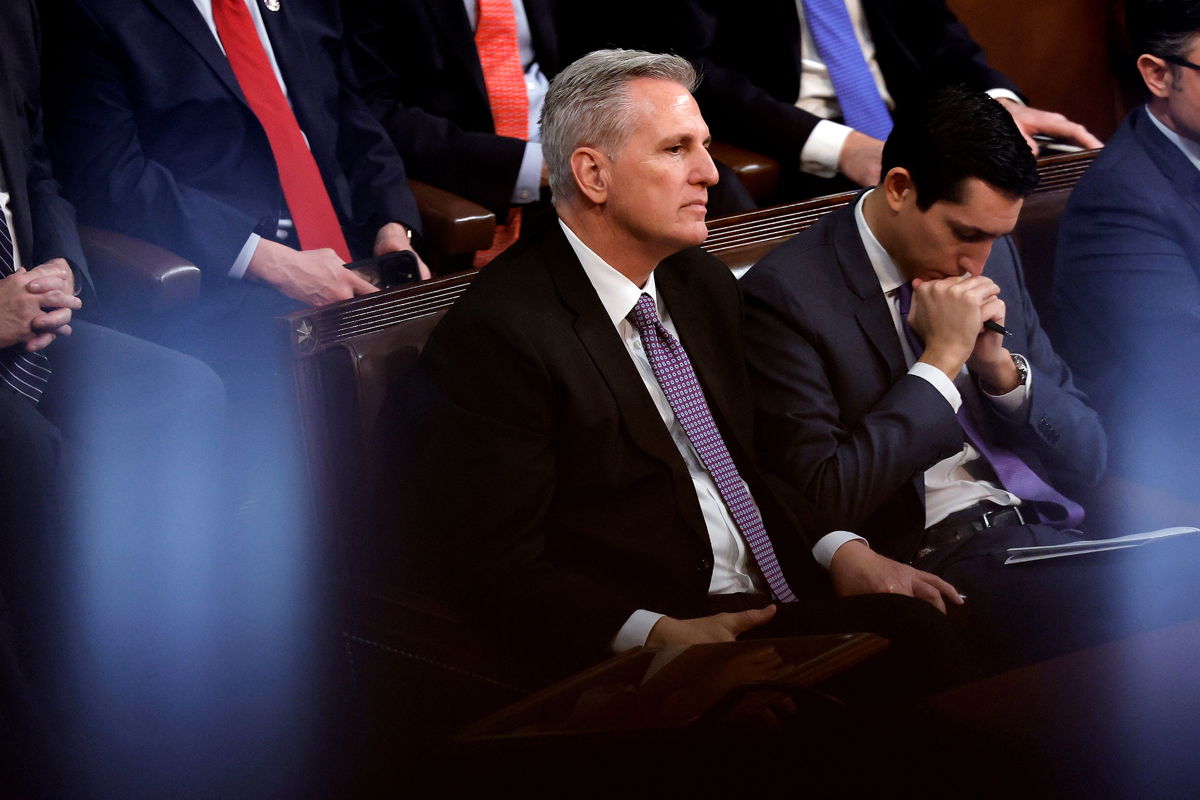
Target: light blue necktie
(862, 106)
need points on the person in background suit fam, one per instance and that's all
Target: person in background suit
(773, 86)
(884, 401)
(1127, 281)
(105, 445)
(451, 125)
(418, 65)
(565, 497)
(226, 131)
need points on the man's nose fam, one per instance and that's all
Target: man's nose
(705, 169)
(973, 260)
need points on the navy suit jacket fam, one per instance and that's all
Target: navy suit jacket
(548, 480)
(1127, 289)
(154, 138)
(750, 61)
(44, 221)
(842, 421)
(417, 66)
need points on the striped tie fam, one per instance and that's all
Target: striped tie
(23, 372)
(675, 375)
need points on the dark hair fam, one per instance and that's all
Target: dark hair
(955, 134)
(1162, 28)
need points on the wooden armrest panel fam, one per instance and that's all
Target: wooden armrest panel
(453, 226)
(137, 274)
(758, 173)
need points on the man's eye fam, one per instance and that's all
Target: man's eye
(675, 148)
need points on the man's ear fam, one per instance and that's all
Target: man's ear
(1156, 74)
(589, 166)
(898, 188)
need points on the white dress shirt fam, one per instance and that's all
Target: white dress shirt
(734, 569)
(6, 204)
(529, 177)
(823, 148)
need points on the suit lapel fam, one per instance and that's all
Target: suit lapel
(872, 313)
(704, 351)
(290, 47)
(1173, 163)
(602, 342)
(14, 140)
(185, 18)
(451, 17)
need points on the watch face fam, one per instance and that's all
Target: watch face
(1022, 367)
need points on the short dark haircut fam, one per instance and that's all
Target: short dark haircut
(1162, 28)
(954, 134)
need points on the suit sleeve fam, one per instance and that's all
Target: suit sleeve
(844, 463)
(926, 33)
(1061, 428)
(484, 410)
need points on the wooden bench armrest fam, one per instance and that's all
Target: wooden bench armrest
(758, 173)
(453, 225)
(134, 274)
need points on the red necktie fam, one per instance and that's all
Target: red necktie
(307, 199)
(500, 57)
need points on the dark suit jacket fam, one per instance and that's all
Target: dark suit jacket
(153, 136)
(418, 67)
(1127, 289)
(750, 60)
(558, 497)
(44, 221)
(843, 422)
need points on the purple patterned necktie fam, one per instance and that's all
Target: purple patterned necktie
(833, 32)
(24, 372)
(1011, 470)
(678, 381)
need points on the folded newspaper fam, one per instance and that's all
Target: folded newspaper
(1018, 555)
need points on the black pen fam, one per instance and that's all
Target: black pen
(996, 327)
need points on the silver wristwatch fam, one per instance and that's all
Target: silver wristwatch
(1022, 368)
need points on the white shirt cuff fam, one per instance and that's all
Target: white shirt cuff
(940, 382)
(1011, 404)
(238, 270)
(1004, 94)
(830, 542)
(822, 150)
(529, 178)
(635, 630)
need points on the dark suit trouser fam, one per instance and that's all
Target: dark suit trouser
(1028, 612)
(114, 537)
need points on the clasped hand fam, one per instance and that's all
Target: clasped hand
(36, 305)
(948, 314)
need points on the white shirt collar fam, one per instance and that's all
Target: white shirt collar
(618, 294)
(885, 268)
(1190, 149)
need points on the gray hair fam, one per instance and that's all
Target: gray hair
(588, 106)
